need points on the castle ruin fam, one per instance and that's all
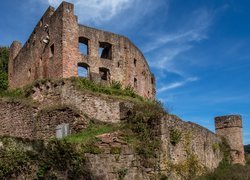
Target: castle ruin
(61, 48)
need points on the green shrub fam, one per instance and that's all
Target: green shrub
(142, 132)
(12, 161)
(59, 155)
(3, 81)
(175, 136)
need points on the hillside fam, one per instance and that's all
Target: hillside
(247, 149)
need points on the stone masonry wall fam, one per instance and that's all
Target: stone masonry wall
(58, 103)
(194, 140)
(52, 51)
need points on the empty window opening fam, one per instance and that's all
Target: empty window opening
(104, 73)
(105, 50)
(153, 80)
(135, 83)
(135, 61)
(83, 69)
(29, 72)
(84, 45)
(52, 50)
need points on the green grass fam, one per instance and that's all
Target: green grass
(90, 133)
(115, 89)
(233, 172)
(230, 172)
(13, 94)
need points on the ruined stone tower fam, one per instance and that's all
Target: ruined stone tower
(230, 127)
(58, 47)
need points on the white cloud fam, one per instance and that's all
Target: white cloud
(177, 84)
(96, 11)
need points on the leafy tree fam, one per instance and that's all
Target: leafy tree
(247, 149)
(4, 57)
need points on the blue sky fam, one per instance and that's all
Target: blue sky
(198, 49)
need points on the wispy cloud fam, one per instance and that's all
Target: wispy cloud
(176, 84)
(166, 48)
(97, 11)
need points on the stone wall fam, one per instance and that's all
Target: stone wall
(58, 103)
(17, 119)
(95, 106)
(52, 51)
(195, 141)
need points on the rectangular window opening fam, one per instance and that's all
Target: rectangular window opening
(84, 45)
(52, 51)
(105, 50)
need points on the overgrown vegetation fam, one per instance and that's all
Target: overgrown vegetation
(48, 160)
(4, 57)
(191, 167)
(231, 172)
(175, 136)
(142, 132)
(115, 89)
(90, 133)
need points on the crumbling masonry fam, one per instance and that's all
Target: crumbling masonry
(61, 48)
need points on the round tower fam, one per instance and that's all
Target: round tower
(230, 127)
(14, 50)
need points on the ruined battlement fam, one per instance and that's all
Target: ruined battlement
(228, 121)
(59, 47)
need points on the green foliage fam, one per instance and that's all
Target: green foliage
(232, 172)
(175, 136)
(142, 132)
(115, 89)
(51, 158)
(116, 85)
(215, 147)
(62, 156)
(122, 173)
(3, 81)
(12, 161)
(247, 149)
(4, 57)
(225, 149)
(13, 94)
(115, 150)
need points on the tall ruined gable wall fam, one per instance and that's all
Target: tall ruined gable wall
(127, 64)
(37, 59)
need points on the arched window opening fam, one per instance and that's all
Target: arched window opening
(105, 50)
(104, 73)
(84, 45)
(83, 70)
